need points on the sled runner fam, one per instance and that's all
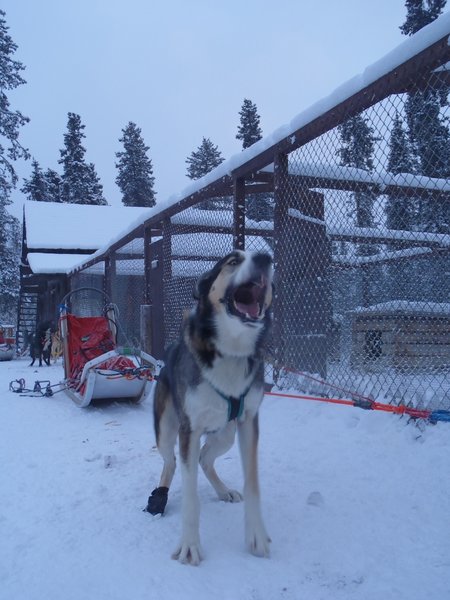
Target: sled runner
(95, 367)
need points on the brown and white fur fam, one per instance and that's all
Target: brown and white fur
(219, 356)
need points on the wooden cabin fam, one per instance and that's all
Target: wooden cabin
(406, 336)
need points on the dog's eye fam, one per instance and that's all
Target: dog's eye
(233, 262)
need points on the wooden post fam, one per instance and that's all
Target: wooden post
(239, 213)
(307, 281)
(146, 329)
(110, 275)
(302, 258)
(147, 264)
(280, 177)
(152, 314)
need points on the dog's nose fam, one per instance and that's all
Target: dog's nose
(262, 260)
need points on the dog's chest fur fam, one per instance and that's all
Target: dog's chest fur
(235, 340)
(232, 376)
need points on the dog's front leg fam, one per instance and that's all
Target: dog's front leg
(189, 549)
(256, 536)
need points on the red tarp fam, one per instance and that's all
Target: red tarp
(89, 337)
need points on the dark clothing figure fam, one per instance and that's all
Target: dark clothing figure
(41, 344)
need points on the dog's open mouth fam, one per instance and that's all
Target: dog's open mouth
(247, 300)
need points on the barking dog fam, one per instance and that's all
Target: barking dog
(213, 383)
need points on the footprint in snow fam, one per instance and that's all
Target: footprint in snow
(315, 499)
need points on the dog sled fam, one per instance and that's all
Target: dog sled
(95, 367)
(7, 342)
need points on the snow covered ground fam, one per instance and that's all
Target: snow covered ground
(357, 505)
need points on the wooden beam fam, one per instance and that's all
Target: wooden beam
(86, 251)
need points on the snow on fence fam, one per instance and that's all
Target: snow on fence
(352, 199)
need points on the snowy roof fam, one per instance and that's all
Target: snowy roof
(412, 46)
(406, 307)
(60, 226)
(53, 263)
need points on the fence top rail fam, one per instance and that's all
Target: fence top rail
(422, 54)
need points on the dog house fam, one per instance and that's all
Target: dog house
(406, 336)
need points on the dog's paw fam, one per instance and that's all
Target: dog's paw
(157, 501)
(188, 553)
(258, 542)
(230, 496)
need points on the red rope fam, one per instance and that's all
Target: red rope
(326, 383)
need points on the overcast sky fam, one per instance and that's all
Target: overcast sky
(180, 70)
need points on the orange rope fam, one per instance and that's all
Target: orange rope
(370, 405)
(316, 398)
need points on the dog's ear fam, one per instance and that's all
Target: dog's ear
(204, 284)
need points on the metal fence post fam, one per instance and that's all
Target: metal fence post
(239, 213)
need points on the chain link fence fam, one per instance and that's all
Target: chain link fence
(126, 287)
(355, 210)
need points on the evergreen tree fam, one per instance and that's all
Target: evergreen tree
(10, 150)
(80, 183)
(358, 144)
(420, 13)
(249, 130)
(94, 192)
(400, 159)
(258, 207)
(201, 161)
(400, 212)
(35, 188)
(10, 240)
(10, 121)
(54, 185)
(427, 129)
(135, 178)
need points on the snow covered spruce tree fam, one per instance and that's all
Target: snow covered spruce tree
(258, 207)
(400, 211)
(135, 178)
(427, 128)
(358, 142)
(200, 162)
(80, 183)
(10, 150)
(249, 130)
(10, 242)
(42, 187)
(203, 160)
(420, 13)
(35, 188)
(54, 185)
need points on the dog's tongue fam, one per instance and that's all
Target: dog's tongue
(252, 310)
(246, 301)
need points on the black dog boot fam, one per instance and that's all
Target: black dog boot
(157, 501)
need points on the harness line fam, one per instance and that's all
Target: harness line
(414, 413)
(365, 402)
